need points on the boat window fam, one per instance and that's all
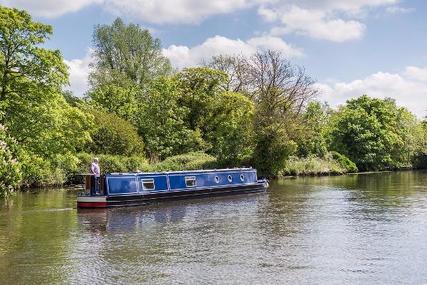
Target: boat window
(216, 179)
(190, 181)
(148, 184)
(230, 178)
(242, 177)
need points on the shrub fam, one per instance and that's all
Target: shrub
(188, 161)
(10, 175)
(111, 163)
(331, 164)
(114, 136)
(344, 161)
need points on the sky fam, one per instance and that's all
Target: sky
(350, 48)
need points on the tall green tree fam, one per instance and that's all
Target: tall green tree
(163, 122)
(43, 125)
(25, 67)
(127, 59)
(120, 96)
(374, 133)
(128, 50)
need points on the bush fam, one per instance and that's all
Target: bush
(39, 172)
(111, 163)
(344, 161)
(188, 161)
(114, 136)
(331, 164)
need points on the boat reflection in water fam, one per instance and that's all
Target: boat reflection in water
(128, 219)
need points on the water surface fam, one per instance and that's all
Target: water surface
(360, 229)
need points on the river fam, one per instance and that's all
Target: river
(356, 229)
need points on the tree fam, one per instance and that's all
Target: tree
(120, 96)
(313, 136)
(230, 130)
(163, 122)
(199, 86)
(374, 133)
(128, 50)
(280, 92)
(114, 135)
(43, 125)
(236, 67)
(26, 68)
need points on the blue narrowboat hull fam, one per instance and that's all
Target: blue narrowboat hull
(134, 189)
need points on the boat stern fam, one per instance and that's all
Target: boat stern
(92, 202)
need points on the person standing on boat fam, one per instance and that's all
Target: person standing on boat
(95, 170)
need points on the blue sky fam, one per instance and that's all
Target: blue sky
(352, 47)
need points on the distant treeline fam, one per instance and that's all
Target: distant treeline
(140, 114)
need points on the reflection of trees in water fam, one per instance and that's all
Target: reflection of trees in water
(283, 212)
(35, 233)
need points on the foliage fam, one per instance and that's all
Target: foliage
(273, 147)
(188, 161)
(128, 50)
(280, 92)
(43, 125)
(229, 129)
(114, 135)
(10, 174)
(313, 140)
(330, 164)
(191, 112)
(112, 163)
(374, 133)
(200, 87)
(119, 96)
(419, 159)
(348, 165)
(26, 68)
(162, 121)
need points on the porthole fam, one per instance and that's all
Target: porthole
(217, 179)
(242, 177)
(230, 178)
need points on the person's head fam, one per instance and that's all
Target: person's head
(96, 160)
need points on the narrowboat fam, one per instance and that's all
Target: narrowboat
(132, 189)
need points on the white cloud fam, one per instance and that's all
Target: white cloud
(153, 11)
(416, 73)
(316, 24)
(49, 8)
(332, 20)
(79, 72)
(409, 88)
(183, 56)
(175, 11)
